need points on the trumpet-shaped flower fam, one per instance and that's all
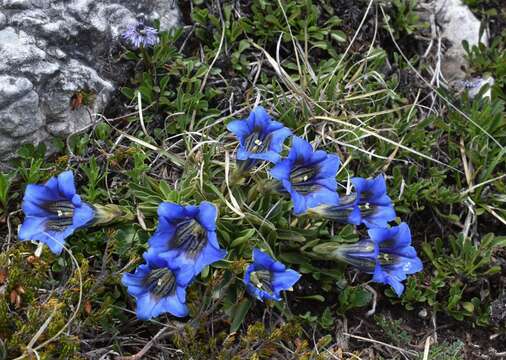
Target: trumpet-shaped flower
(308, 176)
(265, 278)
(369, 204)
(158, 287)
(387, 254)
(260, 137)
(139, 35)
(186, 236)
(53, 212)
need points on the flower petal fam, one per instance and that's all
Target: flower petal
(66, 184)
(83, 216)
(207, 215)
(262, 259)
(322, 196)
(171, 211)
(285, 280)
(302, 149)
(239, 128)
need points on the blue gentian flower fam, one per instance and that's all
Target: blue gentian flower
(387, 254)
(186, 235)
(158, 287)
(53, 212)
(308, 176)
(266, 277)
(139, 35)
(369, 204)
(260, 137)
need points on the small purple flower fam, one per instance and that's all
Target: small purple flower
(139, 35)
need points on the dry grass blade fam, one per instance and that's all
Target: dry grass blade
(401, 350)
(380, 137)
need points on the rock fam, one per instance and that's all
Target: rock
(458, 23)
(51, 49)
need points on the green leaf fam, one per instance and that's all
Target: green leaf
(316, 297)
(239, 314)
(338, 36)
(245, 236)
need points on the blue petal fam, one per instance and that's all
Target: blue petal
(299, 203)
(285, 280)
(170, 256)
(185, 275)
(207, 215)
(277, 267)
(379, 235)
(175, 307)
(76, 200)
(191, 211)
(274, 126)
(34, 228)
(360, 184)
(239, 128)
(66, 184)
(410, 265)
(209, 256)
(329, 167)
(40, 194)
(396, 285)
(213, 239)
(136, 291)
(270, 156)
(380, 217)
(242, 154)
(355, 218)
(379, 274)
(262, 259)
(31, 208)
(261, 117)
(137, 277)
(329, 183)
(278, 138)
(160, 240)
(83, 215)
(55, 240)
(171, 211)
(172, 305)
(281, 170)
(145, 305)
(322, 196)
(256, 292)
(377, 186)
(31, 227)
(52, 185)
(181, 294)
(317, 157)
(154, 259)
(302, 149)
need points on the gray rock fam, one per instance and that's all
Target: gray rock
(458, 23)
(49, 50)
